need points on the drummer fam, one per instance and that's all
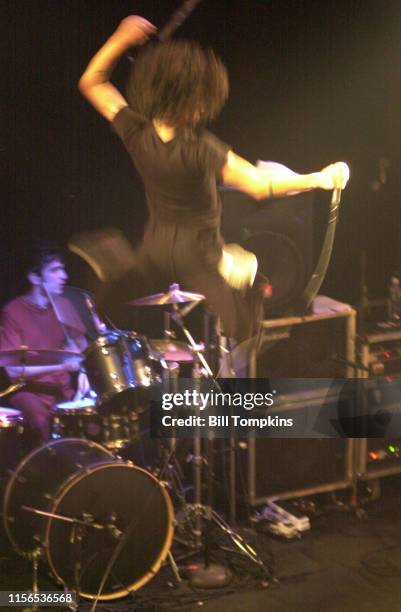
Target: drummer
(43, 319)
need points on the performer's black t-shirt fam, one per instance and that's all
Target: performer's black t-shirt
(180, 176)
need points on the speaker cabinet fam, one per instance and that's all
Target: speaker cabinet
(293, 467)
(315, 346)
(280, 233)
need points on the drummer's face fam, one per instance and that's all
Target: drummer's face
(54, 276)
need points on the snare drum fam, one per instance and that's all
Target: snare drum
(81, 419)
(76, 419)
(11, 429)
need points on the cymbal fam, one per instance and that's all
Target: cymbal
(37, 357)
(173, 296)
(171, 351)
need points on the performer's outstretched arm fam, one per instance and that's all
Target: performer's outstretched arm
(261, 183)
(95, 82)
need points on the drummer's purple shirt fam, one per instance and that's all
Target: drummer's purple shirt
(25, 323)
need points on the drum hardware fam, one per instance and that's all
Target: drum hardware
(35, 557)
(168, 464)
(76, 419)
(86, 521)
(118, 549)
(13, 387)
(76, 538)
(11, 429)
(171, 350)
(140, 359)
(119, 363)
(194, 514)
(209, 575)
(173, 296)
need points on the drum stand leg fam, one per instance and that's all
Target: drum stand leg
(174, 568)
(34, 557)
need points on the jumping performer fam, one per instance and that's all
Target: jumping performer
(174, 90)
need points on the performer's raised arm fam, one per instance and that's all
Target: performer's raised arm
(275, 180)
(95, 82)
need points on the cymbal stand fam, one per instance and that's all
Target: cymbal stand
(178, 317)
(171, 466)
(209, 575)
(200, 368)
(197, 465)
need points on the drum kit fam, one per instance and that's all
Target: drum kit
(102, 525)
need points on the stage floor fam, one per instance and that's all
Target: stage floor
(345, 564)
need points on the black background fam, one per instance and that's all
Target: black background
(311, 82)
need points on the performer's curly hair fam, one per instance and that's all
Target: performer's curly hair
(177, 82)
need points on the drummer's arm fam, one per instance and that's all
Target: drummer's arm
(83, 386)
(16, 372)
(81, 343)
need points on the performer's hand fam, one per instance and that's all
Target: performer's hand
(71, 366)
(134, 30)
(334, 176)
(83, 386)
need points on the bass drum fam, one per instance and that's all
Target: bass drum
(81, 479)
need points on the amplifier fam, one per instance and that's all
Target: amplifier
(381, 353)
(378, 457)
(312, 346)
(288, 468)
(295, 467)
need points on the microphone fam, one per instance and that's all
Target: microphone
(343, 169)
(177, 19)
(336, 196)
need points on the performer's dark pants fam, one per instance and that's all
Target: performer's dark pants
(188, 255)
